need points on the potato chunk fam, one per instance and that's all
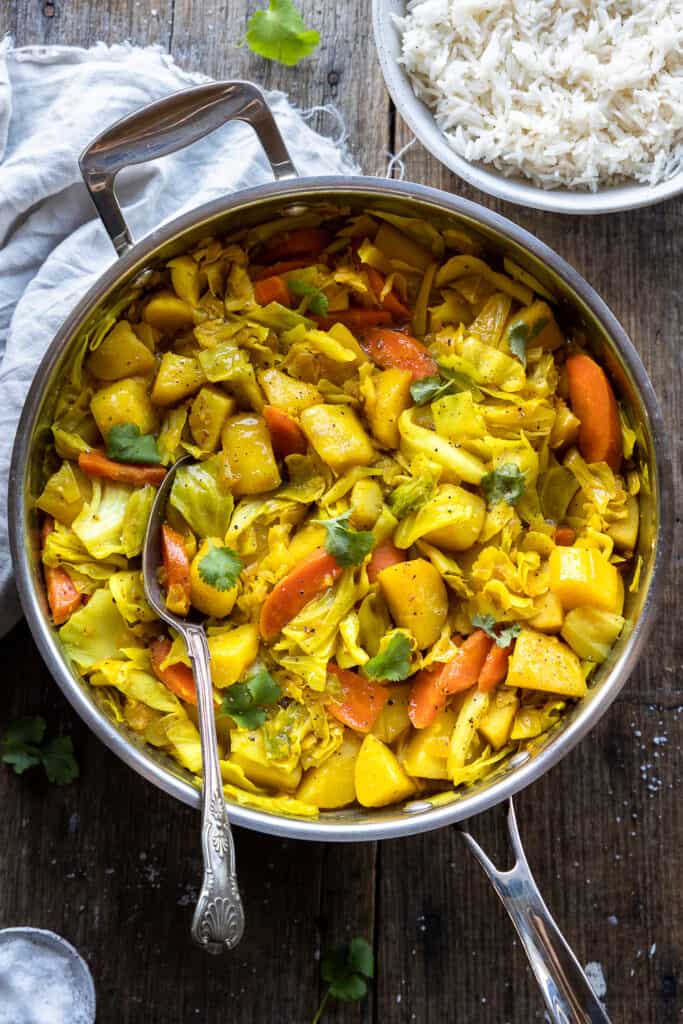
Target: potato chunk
(583, 576)
(126, 401)
(247, 445)
(540, 662)
(205, 598)
(393, 719)
(232, 653)
(390, 396)
(591, 632)
(177, 377)
(458, 516)
(286, 393)
(121, 354)
(208, 414)
(168, 313)
(380, 780)
(426, 754)
(333, 783)
(496, 724)
(417, 598)
(337, 436)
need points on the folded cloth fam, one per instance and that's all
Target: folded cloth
(53, 101)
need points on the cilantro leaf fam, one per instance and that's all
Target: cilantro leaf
(518, 338)
(279, 33)
(220, 568)
(448, 382)
(392, 663)
(245, 702)
(22, 748)
(346, 970)
(521, 335)
(504, 636)
(504, 484)
(58, 760)
(125, 443)
(318, 300)
(349, 547)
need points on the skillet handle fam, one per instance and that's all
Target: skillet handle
(168, 125)
(568, 995)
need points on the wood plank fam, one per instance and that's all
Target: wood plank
(142, 22)
(344, 70)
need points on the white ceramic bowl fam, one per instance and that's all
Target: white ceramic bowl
(420, 120)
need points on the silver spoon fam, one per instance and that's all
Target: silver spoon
(218, 921)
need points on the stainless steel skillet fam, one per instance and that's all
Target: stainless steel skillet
(168, 125)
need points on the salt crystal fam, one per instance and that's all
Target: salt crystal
(39, 984)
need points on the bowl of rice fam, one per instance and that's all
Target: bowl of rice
(564, 105)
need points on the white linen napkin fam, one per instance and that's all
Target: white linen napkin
(53, 101)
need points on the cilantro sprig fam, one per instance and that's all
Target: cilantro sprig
(349, 547)
(23, 746)
(346, 970)
(448, 382)
(279, 33)
(318, 303)
(125, 443)
(220, 568)
(392, 663)
(503, 636)
(245, 702)
(504, 484)
(521, 335)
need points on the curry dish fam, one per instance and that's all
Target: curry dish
(409, 518)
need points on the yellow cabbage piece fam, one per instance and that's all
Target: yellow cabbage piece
(128, 591)
(99, 524)
(96, 632)
(202, 497)
(456, 463)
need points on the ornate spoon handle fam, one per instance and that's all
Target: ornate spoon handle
(218, 920)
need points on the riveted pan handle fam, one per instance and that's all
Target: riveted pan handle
(166, 126)
(567, 993)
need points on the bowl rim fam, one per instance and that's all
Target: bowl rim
(421, 122)
(77, 691)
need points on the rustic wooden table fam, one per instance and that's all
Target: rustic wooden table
(112, 864)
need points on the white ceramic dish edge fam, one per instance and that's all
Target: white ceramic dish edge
(421, 122)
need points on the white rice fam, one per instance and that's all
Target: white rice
(565, 92)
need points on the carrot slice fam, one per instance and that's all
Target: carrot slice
(391, 349)
(299, 242)
(177, 567)
(495, 668)
(565, 536)
(287, 436)
(313, 575)
(391, 300)
(592, 400)
(382, 557)
(283, 267)
(96, 463)
(354, 319)
(62, 596)
(361, 700)
(463, 670)
(426, 697)
(178, 678)
(272, 289)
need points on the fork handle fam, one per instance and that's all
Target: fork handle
(566, 990)
(218, 921)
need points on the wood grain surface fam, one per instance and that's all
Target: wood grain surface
(112, 864)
